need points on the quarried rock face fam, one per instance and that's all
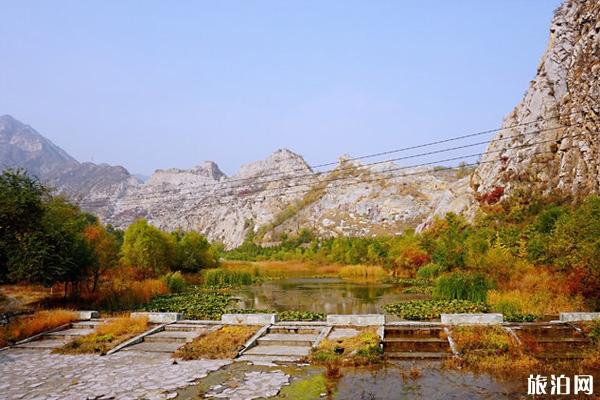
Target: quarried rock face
(552, 140)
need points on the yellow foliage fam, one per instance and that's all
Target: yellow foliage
(224, 343)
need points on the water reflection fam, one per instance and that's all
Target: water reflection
(327, 295)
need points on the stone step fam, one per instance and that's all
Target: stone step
(290, 339)
(415, 345)
(561, 356)
(547, 331)
(407, 331)
(298, 330)
(186, 327)
(294, 351)
(68, 334)
(414, 355)
(172, 336)
(43, 344)
(155, 347)
(87, 324)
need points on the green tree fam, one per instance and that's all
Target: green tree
(148, 249)
(194, 252)
(21, 209)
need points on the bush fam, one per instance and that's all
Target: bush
(417, 310)
(220, 277)
(461, 286)
(429, 271)
(175, 282)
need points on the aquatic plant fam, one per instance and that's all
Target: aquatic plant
(221, 277)
(461, 286)
(194, 303)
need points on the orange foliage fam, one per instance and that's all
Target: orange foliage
(24, 327)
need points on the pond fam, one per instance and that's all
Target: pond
(325, 295)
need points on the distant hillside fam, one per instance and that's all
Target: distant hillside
(271, 197)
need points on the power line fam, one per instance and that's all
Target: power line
(379, 154)
(316, 175)
(230, 194)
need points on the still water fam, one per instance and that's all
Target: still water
(326, 295)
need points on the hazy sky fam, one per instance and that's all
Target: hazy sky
(149, 84)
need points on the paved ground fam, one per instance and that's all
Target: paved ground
(35, 374)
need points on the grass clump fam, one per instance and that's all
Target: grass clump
(106, 336)
(363, 272)
(417, 310)
(174, 281)
(221, 344)
(23, 327)
(221, 277)
(195, 303)
(461, 286)
(491, 350)
(362, 349)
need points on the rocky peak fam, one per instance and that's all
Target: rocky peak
(21, 146)
(561, 151)
(282, 161)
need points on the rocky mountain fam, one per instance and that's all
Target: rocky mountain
(270, 197)
(549, 142)
(552, 136)
(22, 147)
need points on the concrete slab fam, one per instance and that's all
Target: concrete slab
(158, 317)
(358, 319)
(287, 339)
(472, 319)
(297, 351)
(342, 333)
(43, 344)
(155, 347)
(70, 333)
(87, 315)
(171, 336)
(249, 319)
(579, 316)
(267, 360)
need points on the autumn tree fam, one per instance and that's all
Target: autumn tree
(105, 249)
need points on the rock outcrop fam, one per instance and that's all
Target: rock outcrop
(554, 142)
(271, 197)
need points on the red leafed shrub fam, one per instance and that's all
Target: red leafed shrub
(492, 196)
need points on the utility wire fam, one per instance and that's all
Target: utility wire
(373, 155)
(326, 181)
(315, 175)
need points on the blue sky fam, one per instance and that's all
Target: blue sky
(156, 84)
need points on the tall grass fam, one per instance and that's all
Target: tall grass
(461, 286)
(121, 295)
(284, 269)
(224, 343)
(106, 336)
(24, 327)
(225, 277)
(363, 272)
